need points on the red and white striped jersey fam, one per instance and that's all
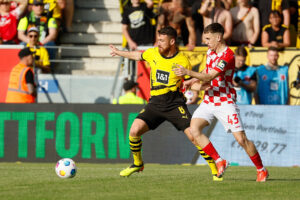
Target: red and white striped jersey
(221, 90)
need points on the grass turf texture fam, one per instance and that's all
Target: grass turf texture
(102, 181)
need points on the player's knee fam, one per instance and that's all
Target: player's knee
(242, 141)
(195, 131)
(134, 131)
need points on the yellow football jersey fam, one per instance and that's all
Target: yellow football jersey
(162, 78)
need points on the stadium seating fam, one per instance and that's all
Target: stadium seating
(96, 24)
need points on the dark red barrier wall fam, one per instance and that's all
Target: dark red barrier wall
(9, 58)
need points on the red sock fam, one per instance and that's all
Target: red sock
(257, 161)
(211, 151)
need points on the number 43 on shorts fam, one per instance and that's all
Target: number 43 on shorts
(232, 119)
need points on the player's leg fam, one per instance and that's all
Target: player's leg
(138, 128)
(229, 116)
(148, 119)
(211, 163)
(241, 138)
(202, 117)
(180, 117)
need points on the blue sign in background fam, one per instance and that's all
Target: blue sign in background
(275, 130)
(48, 86)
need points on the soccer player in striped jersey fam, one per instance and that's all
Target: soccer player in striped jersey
(219, 100)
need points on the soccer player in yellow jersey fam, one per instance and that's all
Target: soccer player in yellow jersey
(167, 102)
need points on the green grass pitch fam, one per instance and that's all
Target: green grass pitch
(102, 181)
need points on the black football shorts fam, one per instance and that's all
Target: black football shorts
(179, 116)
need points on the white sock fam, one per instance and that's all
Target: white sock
(219, 160)
(262, 169)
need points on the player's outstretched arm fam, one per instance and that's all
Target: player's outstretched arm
(181, 71)
(200, 86)
(133, 55)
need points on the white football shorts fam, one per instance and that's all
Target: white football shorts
(227, 114)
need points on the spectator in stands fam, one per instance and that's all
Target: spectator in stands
(212, 11)
(174, 14)
(52, 8)
(136, 24)
(244, 79)
(294, 13)
(198, 19)
(275, 34)
(40, 53)
(266, 6)
(272, 81)
(47, 27)
(130, 97)
(9, 20)
(246, 27)
(227, 4)
(68, 15)
(21, 86)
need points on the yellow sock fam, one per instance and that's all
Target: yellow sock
(211, 163)
(136, 147)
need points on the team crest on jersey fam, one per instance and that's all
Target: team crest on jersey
(282, 77)
(174, 65)
(264, 77)
(222, 64)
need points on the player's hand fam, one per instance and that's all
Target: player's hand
(190, 47)
(187, 84)
(205, 86)
(180, 70)
(132, 45)
(114, 50)
(274, 44)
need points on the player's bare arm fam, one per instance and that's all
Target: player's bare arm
(286, 17)
(228, 25)
(132, 45)
(198, 86)
(181, 71)
(205, 7)
(192, 33)
(149, 3)
(133, 55)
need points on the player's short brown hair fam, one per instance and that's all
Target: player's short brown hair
(169, 31)
(241, 51)
(272, 48)
(214, 28)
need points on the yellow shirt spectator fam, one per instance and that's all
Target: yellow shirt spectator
(41, 56)
(31, 21)
(129, 87)
(51, 8)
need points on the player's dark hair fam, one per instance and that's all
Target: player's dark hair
(272, 49)
(214, 28)
(241, 51)
(169, 31)
(275, 12)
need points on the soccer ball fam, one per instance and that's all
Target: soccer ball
(189, 96)
(65, 168)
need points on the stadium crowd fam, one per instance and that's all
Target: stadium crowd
(247, 23)
(46, 18)
(270, 23)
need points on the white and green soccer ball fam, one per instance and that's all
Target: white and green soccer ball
(65, 168)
